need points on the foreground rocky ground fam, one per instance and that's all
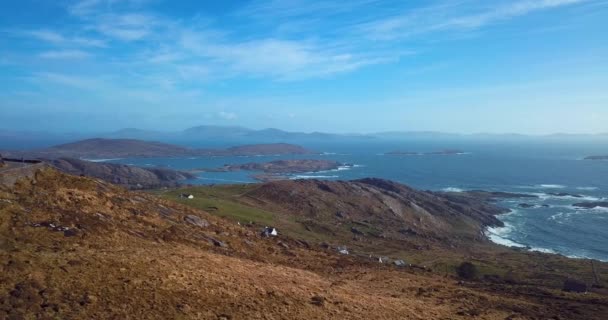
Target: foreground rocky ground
(78, 248)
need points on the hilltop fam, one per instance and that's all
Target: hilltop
(77, 247)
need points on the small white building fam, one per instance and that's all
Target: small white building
(270, 232)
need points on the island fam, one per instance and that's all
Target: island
(99, 148)
(282, 166)
(447, 152)
(279, 169)
(597, 157)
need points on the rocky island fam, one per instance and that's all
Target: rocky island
(597, 157)
(447, 152)
(279, 169)
(591, 205)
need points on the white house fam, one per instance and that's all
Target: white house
(270, 232)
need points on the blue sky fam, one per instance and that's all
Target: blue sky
(526, 66)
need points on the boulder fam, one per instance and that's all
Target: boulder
(572, 285)
(400, 263)
(196, 221)
(357, 231)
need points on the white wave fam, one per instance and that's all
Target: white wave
(558, 217)
(543, 250)
(586, 188)
(499, 235)
(312, 177)
(102, 160)
(550, 186)
(592, 210)
(342, 168)
(226, 180)
(452, 189)
(546, 196)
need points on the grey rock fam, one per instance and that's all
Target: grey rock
(196, 221)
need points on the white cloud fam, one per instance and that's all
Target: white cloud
(282, 59)
(126, 27)
(57, 38)
(74, 81)
(65, 54)
(84, 7)
(454, 16)
(227, 115)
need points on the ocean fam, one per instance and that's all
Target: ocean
(538, 168)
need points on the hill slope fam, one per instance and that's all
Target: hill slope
(127, 176)
(75, 247)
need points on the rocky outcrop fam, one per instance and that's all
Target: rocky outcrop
(493, 195)
(591, 205)
(128, 176)
(382, 208)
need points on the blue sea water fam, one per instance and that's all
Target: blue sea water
(537, 168)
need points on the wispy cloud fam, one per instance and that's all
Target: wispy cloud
(74, 81)
(126, 27)
(56, 38)
(171, 53)
(281, 59)
(454, 16)
(227, 115)
(65, 54)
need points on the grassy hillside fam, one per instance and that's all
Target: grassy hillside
(442, 255)
(79, 248)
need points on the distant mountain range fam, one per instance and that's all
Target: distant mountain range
(230, 135)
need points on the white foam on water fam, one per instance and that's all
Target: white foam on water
(225, 180)
(550, 186)
(499, 235)
(586, 188)
(543, 250)
(342, 168)
(452, 189)
(102, 160)
(312, 177)
(494, 235)
(592, 210)
(545, 196)
(558, 217)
